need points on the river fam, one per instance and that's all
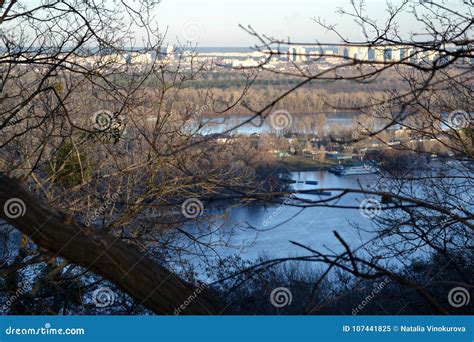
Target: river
(254, 230)
(259, 126)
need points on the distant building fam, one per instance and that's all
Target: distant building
(297, 54)
(139, 58)
(170, 52)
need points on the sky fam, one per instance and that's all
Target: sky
(216, 22)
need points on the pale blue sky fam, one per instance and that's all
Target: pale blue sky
(215, 22)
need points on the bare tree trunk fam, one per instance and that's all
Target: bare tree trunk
(150, 284)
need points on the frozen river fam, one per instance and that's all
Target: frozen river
(256, 230)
